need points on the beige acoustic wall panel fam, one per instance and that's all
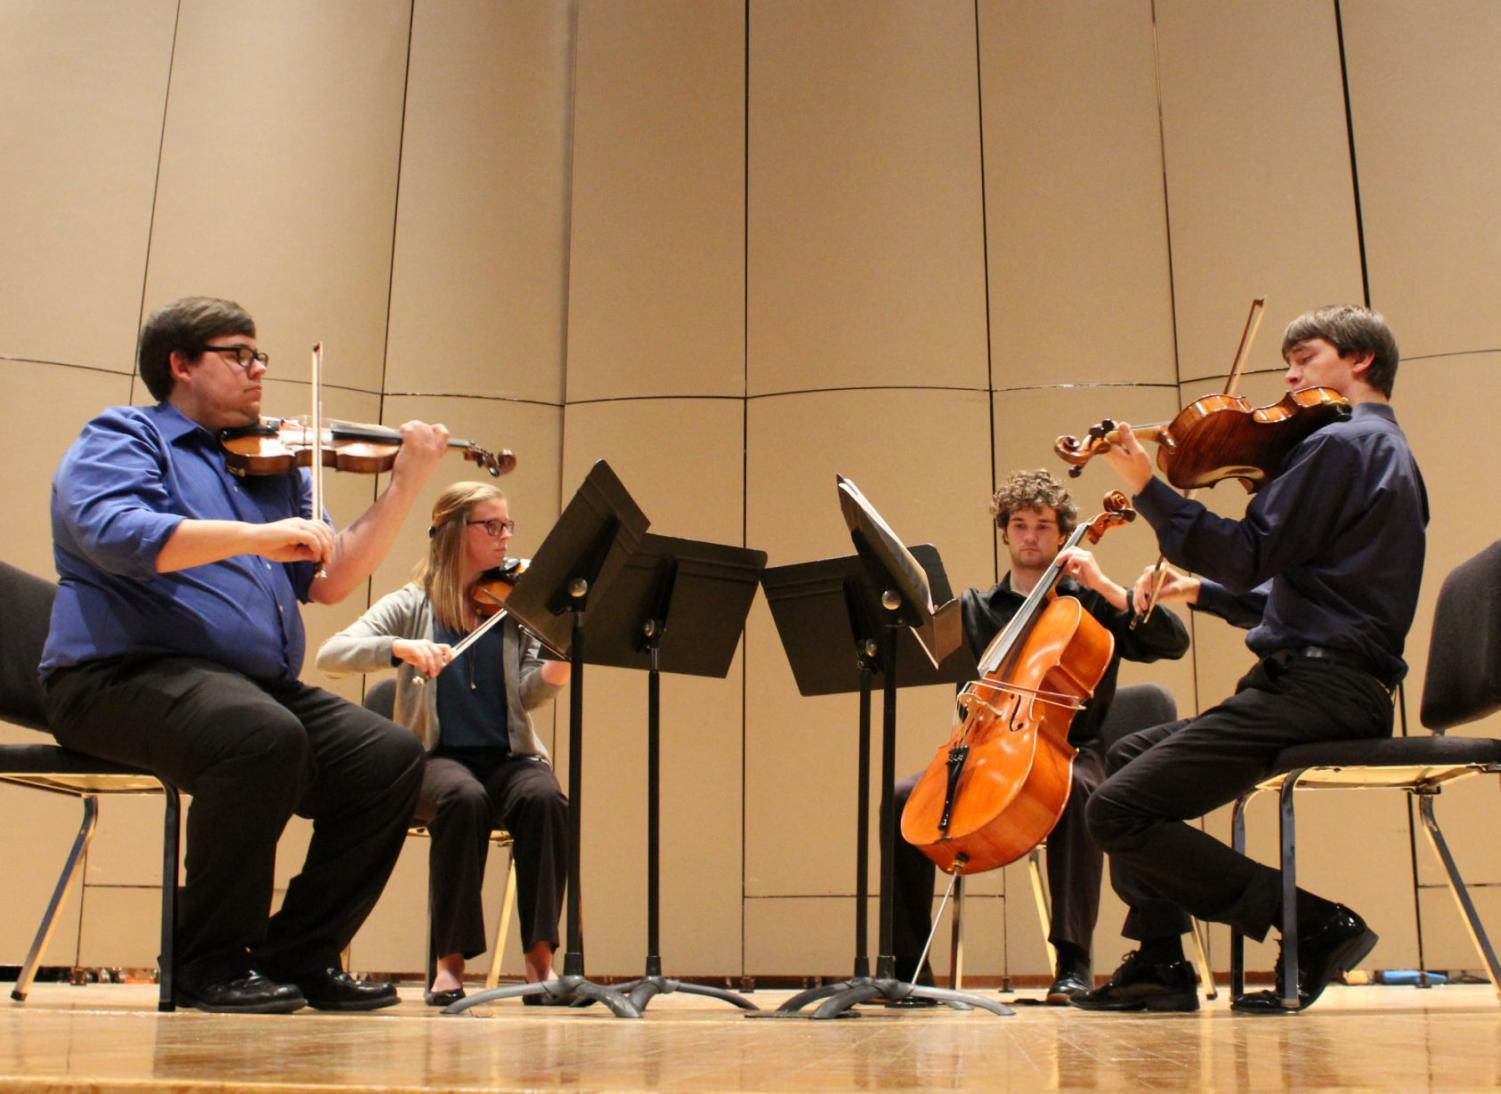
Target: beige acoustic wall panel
(51, 405)
(278, 173)
(85, 84)
(864, 219)
(1260, 199)
(1074, 208)
(1425, 104)
(682, 460)
(656, 300)
(801, 755)
(478, 283)
(532, 432)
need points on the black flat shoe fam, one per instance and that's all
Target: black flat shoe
(443, 998)
(1329, 949)
(1066, 988)
(1142, 985)
(251, 994)
(335, 989)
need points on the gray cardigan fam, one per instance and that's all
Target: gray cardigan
(365, 646)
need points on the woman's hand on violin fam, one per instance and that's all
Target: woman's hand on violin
(1130, 460)
(295, 539)
(1176, 585)
(422, 446)
(427, 657)
(1083, 567)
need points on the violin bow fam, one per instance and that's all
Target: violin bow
(1232, 381)
(316, 421)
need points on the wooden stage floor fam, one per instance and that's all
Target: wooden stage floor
(109, 1037)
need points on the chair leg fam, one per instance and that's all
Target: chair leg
(171, 835)
(1238, 940)
(1201, 958)
(507, 901)
(59, 894)
(1044, 911)
(1461, 894)
(1288, 988)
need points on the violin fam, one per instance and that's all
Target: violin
(998, 786)
(1221, 436)
(276, 446)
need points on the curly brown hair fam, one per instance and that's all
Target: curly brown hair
(1033, 490)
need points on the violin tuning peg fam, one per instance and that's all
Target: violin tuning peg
(1075, 471)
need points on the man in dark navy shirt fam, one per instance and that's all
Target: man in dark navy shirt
(1035, 516)
(176, 644)
(1324, 568)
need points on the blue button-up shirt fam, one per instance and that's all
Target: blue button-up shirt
(122, 489)
(1330, 552)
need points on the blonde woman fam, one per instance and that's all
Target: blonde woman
(485, 764)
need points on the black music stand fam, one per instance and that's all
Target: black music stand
(576, 564)
(824, 611)
(704, 590)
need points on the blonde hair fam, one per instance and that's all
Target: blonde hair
(440, 573)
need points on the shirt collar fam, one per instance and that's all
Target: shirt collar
(174, 424)
(1380, 410)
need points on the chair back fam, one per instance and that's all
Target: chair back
(1137, 706)
(1463, 681)
(28, 616)
(381, 697)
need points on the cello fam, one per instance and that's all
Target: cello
(998, 786)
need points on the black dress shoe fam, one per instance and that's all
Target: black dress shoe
(335, 989)
(443, 998)
(1329, 949)
(1066, 986)
(250, 994)
(1142, 985)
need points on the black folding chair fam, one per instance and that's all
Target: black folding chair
(48, 767)
(1462, 685)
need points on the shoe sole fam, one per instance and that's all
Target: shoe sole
(358, 1004)
(1349, 955)
(284, 1006)
(1162, 1004)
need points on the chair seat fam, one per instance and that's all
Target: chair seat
(1386, 761)
(52, 767)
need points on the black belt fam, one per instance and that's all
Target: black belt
(1343, 658)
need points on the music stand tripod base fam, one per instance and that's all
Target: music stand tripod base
(567, 990)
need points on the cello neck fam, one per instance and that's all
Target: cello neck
(1003, 643)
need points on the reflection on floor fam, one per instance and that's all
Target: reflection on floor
(104, 1036)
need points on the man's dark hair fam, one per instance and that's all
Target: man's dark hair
(185, 326)
(1033, 490)
(1350, 330)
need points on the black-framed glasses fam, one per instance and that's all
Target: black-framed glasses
(495, 527)
(244, 356)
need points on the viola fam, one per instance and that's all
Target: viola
(494, 586)
(276, 446)
(489, 596)
(1219, 437)
(998, 786)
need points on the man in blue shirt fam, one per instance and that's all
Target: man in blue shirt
(1324, 568)
(176, 644)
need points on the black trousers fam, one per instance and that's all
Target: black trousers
(1075, 866)
(1162, 777)
(463, 798)
(252, 753)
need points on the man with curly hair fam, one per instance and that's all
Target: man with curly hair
(1035, 516)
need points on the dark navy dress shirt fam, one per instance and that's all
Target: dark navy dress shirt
(472, 710)
(1330, 552)
(132, 476)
